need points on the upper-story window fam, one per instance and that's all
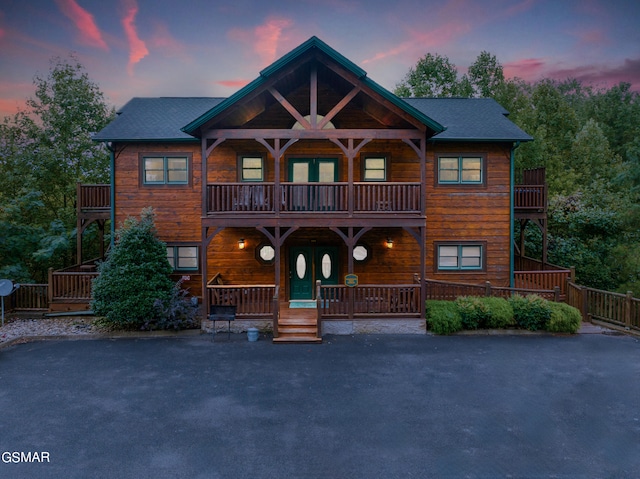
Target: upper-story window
(165, 170)
(374, 168)
(460, 170)
(251, 168)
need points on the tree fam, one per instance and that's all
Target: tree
(486, 75)
(134, 277)
(44, 151)
(433, 76)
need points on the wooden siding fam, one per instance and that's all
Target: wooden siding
(177, 207)
(466, 213)
(454, 213)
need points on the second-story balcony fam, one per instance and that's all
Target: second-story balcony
(358, 198)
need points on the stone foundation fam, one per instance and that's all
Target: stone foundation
(237, 326)
(374, 326)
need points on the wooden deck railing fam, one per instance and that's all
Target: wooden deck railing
(530, 197)
(93, 197)
(545, 280)
(252, 300)
(614, 308)
(313, 197)
(450, 291)
(29, 297)
(524, 263)
(70, 286)
(370, 300)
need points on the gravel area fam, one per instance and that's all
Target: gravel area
(64, 326)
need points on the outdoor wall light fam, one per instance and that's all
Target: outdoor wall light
(389, 243)
(241, 244)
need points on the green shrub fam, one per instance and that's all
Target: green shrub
(473, 312)
(500, 313)
(530, 312)
(134, 276)
(443, 317)
(564, 318)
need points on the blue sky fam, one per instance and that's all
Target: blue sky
(212, 48)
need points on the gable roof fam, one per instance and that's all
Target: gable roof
(452, 119)
(470, 119)
(155, 119)
(313, 43)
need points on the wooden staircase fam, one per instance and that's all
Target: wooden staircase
(297, 325)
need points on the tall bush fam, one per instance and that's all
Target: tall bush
(134, 276)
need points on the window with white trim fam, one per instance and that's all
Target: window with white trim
(165, 170)
(459, 257)
(460, 170)
(183, 258)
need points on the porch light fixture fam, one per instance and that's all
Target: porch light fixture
(389, 243)
(241, 243)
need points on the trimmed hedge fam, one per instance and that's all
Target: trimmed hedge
(564, 318)
(528, 312)
(443, 317)
(531, 312)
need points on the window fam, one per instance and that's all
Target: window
(460, 170)
(460, 256)
(165, 170)
(251, 168)
(266, 253)
(361, 253)
(183, 258)
(375, 169)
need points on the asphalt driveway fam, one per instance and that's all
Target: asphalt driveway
(352, 407)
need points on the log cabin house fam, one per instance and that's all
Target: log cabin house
(315, 200)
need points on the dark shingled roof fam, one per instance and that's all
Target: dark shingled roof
(156, 119)
(162, 119)
(470, 119)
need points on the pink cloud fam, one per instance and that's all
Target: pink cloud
(90, 34)
(162, 40)
(602, 75)
(528, 69)
(420, 41)
(267, 37)
(137, 47)
(232, 83)
(263, 39)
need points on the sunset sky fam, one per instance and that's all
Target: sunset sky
(212, 48)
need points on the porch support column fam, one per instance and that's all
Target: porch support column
(423, 270)
(350, 240)
(206, 240)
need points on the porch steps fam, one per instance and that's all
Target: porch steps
(297, 325)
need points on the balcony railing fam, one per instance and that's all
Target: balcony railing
(313, 197)
(530, 197)
(94, 197)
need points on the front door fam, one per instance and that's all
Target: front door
(308, 264)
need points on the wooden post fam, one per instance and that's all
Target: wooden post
(556, 294)
(627, 309)
(573, 274)
(319, 308)
(276, 310)
(487, 289)
(585, 303)
(50, 288)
